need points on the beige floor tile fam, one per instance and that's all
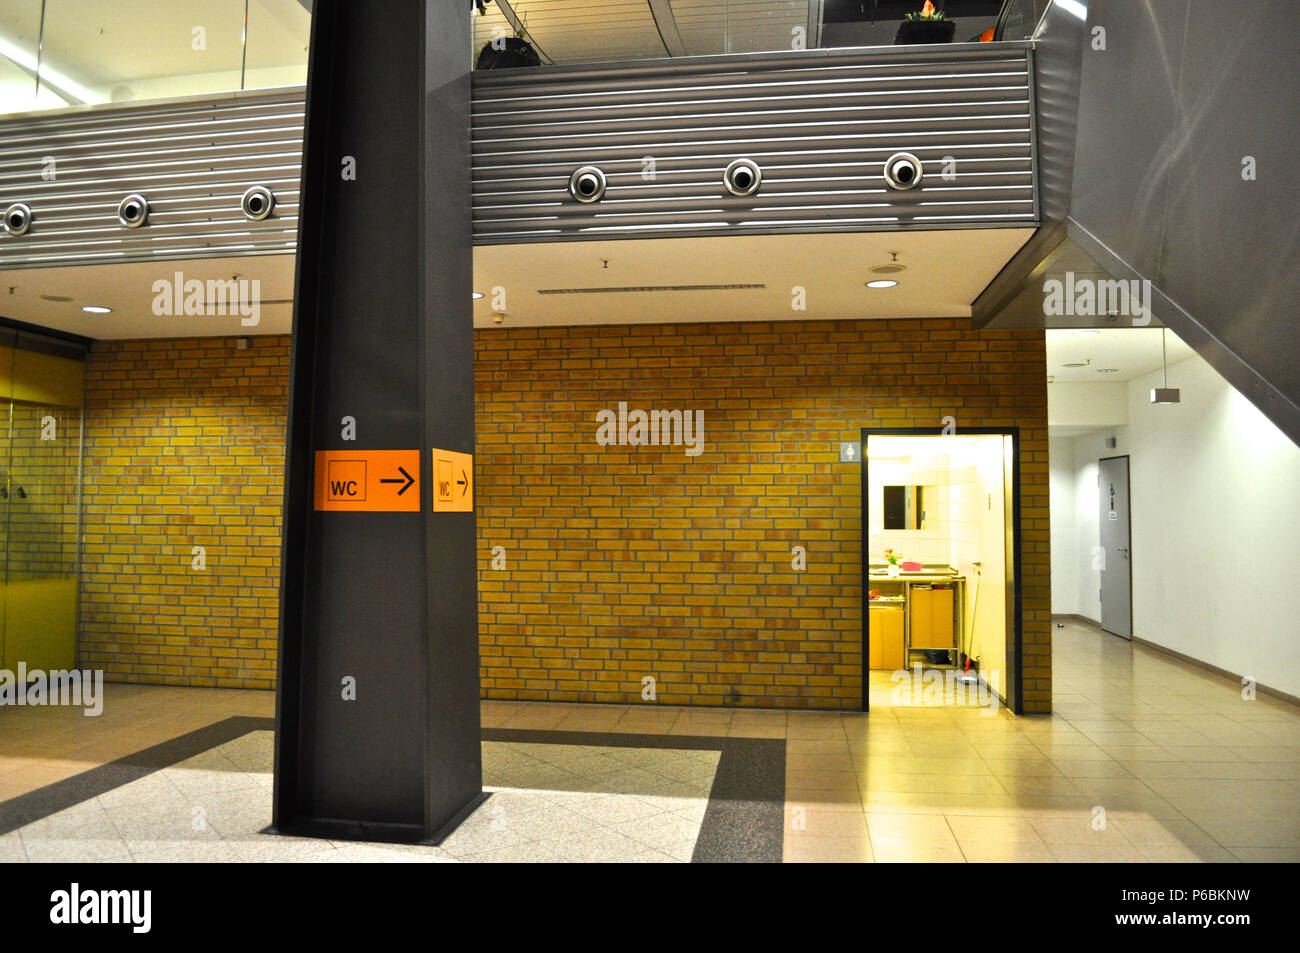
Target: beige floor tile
(1120, 852)
(830, 823)
(808, 797)
(930, 827)
(1007, 852)
(814, 726)
(1161, 769)
(1035, 767)
(917, 852)
(814, 746)
(755, 730)
(1249, 832)
(797, 764)
(1079, 829)
(823, 850)
(892, 802)
(1089, 769)
(1267, 855)
(993, 828)
(1187, 854)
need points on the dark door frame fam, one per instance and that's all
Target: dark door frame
(1014, 699)
(1128, 493)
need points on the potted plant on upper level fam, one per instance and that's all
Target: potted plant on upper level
(926, 25)
(503, 52)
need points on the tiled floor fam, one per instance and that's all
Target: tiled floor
(1146, 758)
(39, 746)
(549, 803)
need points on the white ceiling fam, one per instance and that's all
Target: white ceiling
(128, 289)
(1131, 351)
(945, 271)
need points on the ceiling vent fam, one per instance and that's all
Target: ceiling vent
(647, 288)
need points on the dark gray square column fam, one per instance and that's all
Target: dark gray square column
(377, 718)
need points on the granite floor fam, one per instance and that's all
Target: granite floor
(1145, 759)
(549, 802)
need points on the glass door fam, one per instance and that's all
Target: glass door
(40, 495)
(6, 412)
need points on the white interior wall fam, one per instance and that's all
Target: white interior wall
(1065, 568)
(1214, 489)
(1087, 523)
(980, 506)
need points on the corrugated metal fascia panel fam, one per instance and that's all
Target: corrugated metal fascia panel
(820, 123)
(193, 159)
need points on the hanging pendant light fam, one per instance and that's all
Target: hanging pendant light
(1166, 394)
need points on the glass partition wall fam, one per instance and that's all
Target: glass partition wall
(60, 53)
(57, 53)
(41, 407)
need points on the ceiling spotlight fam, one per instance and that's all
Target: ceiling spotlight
(477, 295)
(96, 309)
(882, 283)
(57, 299)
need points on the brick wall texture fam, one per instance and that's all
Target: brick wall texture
(184, 447)
(620, 562)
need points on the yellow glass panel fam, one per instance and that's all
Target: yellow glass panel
(42, 379)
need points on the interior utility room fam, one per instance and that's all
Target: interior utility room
(940, 571)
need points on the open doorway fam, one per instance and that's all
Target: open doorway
(940, 568)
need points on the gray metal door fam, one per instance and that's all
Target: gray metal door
(1113, 558)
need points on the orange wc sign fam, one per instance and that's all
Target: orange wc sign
(453, 481)
(368, 481)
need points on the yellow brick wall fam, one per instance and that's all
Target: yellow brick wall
(626, 562)
(184, 447)
(620, 562)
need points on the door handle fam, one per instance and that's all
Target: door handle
(1124, 551)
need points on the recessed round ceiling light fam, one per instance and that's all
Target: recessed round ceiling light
(883, 283)
(96, 309)
(58, 299)
(1085, 334)
(1076, 364)
(477, 295)
(887, 269)
(1108, 370)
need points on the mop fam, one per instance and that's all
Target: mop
(970, 676)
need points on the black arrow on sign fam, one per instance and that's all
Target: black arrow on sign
(409, 480)
(463, 481)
